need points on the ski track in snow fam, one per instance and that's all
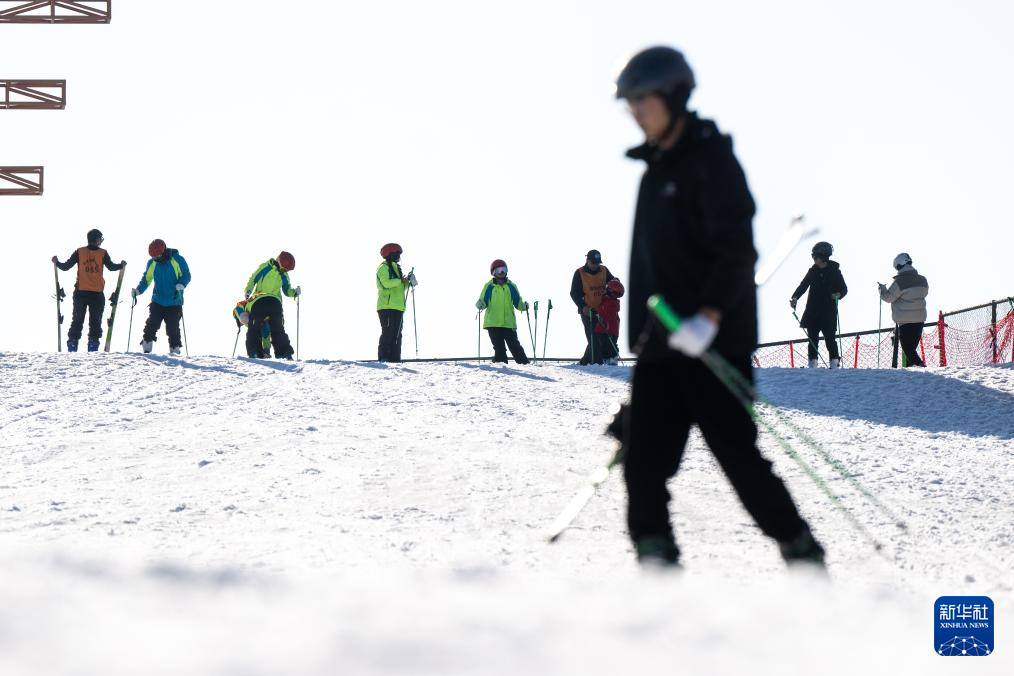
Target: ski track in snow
(213, 516)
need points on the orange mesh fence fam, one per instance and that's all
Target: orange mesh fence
(979, 335)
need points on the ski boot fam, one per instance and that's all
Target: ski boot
(146, 345)
(174, 351)
(93, 346)
(812, 364)
(802, 550)
(658, 551)
(71, 345)
(835, 364)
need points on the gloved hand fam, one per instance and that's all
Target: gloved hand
(524, 304)
(412, 280)
(694, 336)
(134, 293)
(881, 287)
(836, 295)
(246, 294)
(479, 305)
(180, 287)
(55, 259)
(585, 310)
(792, 303)
(297, 291)
(122, 263)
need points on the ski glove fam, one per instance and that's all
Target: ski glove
(134, 293)
(180, 287)
(411, 279)
(297, 291)
(792, 303)
(525, 305)
(836, 295)
(694, 336)
(479, 305)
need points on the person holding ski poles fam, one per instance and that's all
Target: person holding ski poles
(263, 295)
(168, 271)
(907, 296)
(827, 287)
(392, 289)
(88, 289)
(693, 245)
(607, 324)
(586, 289)
(499, 298)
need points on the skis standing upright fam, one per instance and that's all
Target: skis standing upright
(114, 300)
(60, 295)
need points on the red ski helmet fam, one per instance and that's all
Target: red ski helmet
(286, 261)
(389, 249)
(496, 264)
(616, 286)
(156, 248)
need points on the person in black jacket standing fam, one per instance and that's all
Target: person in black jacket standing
(827, 287)
(693, 244)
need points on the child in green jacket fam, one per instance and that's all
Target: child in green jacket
(499, 298)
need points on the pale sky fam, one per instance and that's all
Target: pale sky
(468, 131)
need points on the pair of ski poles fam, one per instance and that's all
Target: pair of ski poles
(239, 328)
(746, 395)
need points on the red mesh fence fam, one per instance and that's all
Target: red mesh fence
(979, 335)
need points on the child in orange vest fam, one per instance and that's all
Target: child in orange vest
(88, 289)
(607, 327)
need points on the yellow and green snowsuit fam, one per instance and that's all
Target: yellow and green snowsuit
(390, 287)
(500, 301)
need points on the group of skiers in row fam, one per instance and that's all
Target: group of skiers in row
(826, 286)
(594, 290)
(168, 273)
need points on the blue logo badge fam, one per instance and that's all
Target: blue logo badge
(963, 626)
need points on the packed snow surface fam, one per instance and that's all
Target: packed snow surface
(216, 516)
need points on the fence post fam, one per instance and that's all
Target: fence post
(792, 356)
(855, 361)
(941, 336)
(922, 350)
(994, 332)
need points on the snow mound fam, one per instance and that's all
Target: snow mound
(208, 516)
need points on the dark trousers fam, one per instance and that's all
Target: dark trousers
(171, 315)
(605, 348)
(909, 335)
(268, 312)
(95, 303)
(389, 347)
(666, 399)
(504, 339)
(829, 327)
(591, 351)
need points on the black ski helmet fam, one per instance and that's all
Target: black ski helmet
(94, 236)
(657, 70)
(823, 250)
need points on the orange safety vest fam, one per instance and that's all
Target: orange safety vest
(89, 269)
(594, 286)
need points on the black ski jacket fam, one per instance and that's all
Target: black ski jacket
(693, 242)
(820, 306)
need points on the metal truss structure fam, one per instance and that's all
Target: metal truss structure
(56, 11)
(33, 94)
(27, 179)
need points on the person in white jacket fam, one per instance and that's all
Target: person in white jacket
(907, 296)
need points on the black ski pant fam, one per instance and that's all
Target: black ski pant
(667, 398)
(604, 348)
(267, 311)
(95, 303)
(171, 315)
(591, 351)
(829, 327)
(909, 335)
(504, 339)
(389, 346)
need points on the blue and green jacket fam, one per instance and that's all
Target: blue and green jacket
(270, 280)
(165, 276)
(500, 301)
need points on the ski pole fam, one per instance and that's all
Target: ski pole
(478, 337)
(535, 346)
(415, 327)
(297, 332)
(591, 336)
(130, 325)
(812, 344)
(545, 336)
(529, 317)
(235, 343)
(880, 322)
(183, 319)
(745, 393)
(838, 318)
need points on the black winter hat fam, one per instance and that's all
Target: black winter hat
(94, 236)
(594, 256)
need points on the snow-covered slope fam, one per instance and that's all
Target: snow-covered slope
(213, 516)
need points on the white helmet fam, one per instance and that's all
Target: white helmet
(901, 260)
